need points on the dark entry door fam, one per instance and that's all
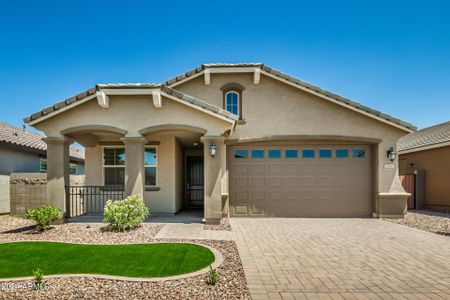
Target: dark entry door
(194, 182)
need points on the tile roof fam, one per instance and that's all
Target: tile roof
(430, 136)
(81, 96)
(20, 137)
(297, 82)
(208, 106)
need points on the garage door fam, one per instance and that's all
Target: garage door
(300, 181)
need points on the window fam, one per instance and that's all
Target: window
(325, 153)
(150, 163)
(359, 153)
(240, 153)
(274, 153)
(73, 169)
(43, 165)
(341, 153)
(232, 102)
(257, 153)
(114, 166)
(291, 153)
(308, 153)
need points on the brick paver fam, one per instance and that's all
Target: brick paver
(341, 259)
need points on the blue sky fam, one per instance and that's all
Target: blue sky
(393, 56)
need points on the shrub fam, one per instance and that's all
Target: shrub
(43, 215)
(125, 214)
(38, 279)
(212, 278)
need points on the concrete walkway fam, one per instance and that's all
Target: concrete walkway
(342, 259)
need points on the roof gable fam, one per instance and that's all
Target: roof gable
(250, 67)
(148, 87)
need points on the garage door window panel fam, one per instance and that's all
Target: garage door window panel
(325, 153)
(291, 153)
(240, 153)
(274, 153)
(258, 153)
(359, 153)
(342, 153)
(308, 153)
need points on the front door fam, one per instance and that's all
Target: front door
(194, 182)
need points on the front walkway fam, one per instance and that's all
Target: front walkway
(341, 259)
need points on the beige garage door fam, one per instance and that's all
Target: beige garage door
(300, 181)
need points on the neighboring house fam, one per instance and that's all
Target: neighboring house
(236, 139)
(428, 150)
(24, 151)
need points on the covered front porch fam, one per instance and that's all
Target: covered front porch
(172, 154)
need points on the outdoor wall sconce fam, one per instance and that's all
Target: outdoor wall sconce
(213, 150)
(391, 154)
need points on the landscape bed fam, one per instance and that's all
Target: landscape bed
(18, 259)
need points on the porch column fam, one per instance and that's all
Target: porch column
(58, 172)
(215, 171)
(134, 165)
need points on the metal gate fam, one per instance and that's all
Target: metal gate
(409, 184)
(90, 199)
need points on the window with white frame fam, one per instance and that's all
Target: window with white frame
(232, 102)
(43, 165)
(114, 165)
(150, 164)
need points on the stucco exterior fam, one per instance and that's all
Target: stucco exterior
(436, 165)
(293, 114)
(272, 112)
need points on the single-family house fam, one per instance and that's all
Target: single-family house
(233, 139)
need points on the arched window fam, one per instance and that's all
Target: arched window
(232, 98)
(232, 102)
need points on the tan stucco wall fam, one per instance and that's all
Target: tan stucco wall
(179, 177)
(168, 198)
(131, 113)
(436, 164)
(272, 108)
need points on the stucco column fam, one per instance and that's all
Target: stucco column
(134, 166)
(58, 172)
(215, 173)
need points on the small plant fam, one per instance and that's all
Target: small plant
(212, 278)
(39, 283)
(43, 216)
(125, 214)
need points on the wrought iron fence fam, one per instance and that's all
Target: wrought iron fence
(91, 199)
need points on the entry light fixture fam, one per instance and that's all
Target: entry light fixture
(213, 150)
(391, 154)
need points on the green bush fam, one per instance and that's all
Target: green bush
(125, 214)
(38, 279)
(212, 278)
(43, 215)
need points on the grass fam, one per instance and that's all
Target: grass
(18, 259)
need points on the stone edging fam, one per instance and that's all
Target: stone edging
(218, 261)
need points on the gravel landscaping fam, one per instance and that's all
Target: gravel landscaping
(17, 229)
(435, 222)
(224, 226)
(231, 279)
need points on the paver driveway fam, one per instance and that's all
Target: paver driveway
(342, 259)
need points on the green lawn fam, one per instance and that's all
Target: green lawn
(146, 260)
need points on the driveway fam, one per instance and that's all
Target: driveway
(341, 259)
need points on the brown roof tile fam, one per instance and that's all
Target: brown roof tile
(434, 135)
(20, 137)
